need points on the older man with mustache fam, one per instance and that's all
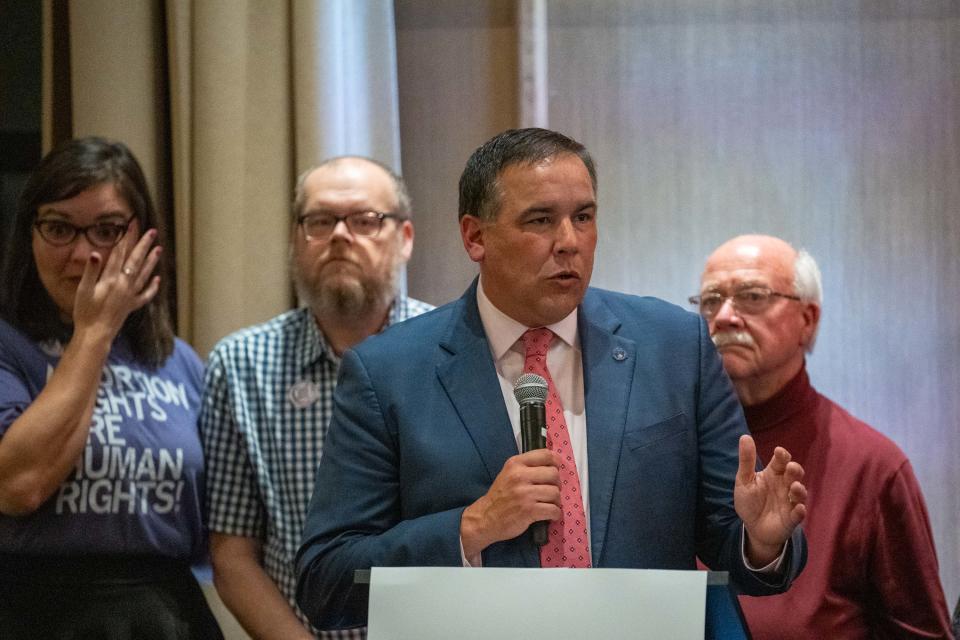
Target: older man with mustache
(269, 388)
(872, 570)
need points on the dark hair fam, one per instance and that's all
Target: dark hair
(479, 195)
(65, 172)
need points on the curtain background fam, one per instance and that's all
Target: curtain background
(834, 124)
(225, 102)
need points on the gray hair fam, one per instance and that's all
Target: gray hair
(404, 205)
(808, 285)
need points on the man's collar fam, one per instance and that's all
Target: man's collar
(311, 343)
(503, 331)
(797, 397)
(398, 311)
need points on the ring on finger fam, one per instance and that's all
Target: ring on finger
(127, 271)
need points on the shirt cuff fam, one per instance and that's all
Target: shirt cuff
(476, 561)
(773, 567)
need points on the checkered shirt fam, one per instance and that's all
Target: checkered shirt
(268, 398)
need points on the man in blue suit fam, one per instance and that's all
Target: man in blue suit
(648, 463)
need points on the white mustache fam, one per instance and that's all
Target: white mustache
(733, 337)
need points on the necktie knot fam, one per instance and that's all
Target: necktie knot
(536, 342)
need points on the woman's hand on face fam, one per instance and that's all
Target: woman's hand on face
(110, 292)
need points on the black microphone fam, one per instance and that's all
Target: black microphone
(531, 392)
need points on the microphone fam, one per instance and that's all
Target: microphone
(531, 391)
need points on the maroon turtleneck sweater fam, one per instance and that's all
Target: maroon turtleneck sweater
(872, 567)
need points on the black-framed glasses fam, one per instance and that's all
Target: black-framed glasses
(367, 224)
(749, 300)
(103, 235)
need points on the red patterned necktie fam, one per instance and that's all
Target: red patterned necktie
(567, 542)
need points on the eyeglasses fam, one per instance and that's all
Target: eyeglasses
(367, 224)
(750, 300)
(103, 235)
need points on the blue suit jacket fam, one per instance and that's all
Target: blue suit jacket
(420, 430)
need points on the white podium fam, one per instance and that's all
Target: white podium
(430, 603)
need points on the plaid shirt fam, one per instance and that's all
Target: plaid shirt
(268, 397)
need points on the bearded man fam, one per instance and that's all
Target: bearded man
(269, 388)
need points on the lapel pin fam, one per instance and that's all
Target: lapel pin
(619, 354)
(303, 394)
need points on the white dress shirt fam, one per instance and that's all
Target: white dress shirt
(565, 364)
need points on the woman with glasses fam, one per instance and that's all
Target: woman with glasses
(101, 470)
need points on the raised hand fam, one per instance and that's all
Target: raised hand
(41, 447)
(525, 491)
(110, 292)
(771, 503)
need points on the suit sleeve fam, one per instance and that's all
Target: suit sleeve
(719, 531)
(355, 519)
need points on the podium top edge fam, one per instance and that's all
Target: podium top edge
(714, 578)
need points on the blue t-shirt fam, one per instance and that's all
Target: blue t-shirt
(137, 488)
